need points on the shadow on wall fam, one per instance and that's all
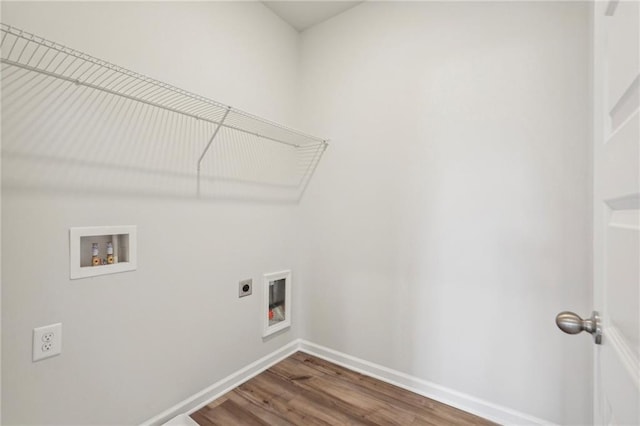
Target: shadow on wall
(74, 123)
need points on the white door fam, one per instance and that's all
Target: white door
(616, 75)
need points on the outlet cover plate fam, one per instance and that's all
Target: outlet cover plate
(47, 341)
(245, 287)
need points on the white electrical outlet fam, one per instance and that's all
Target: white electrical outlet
(47, 341)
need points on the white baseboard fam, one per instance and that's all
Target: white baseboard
(181, 420)
(468, 403)
(216, 390)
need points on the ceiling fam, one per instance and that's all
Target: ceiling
(305, 14)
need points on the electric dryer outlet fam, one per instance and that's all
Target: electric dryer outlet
(245, 287)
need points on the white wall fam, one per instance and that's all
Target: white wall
(449, 221)
(137, 343)
(446, 226)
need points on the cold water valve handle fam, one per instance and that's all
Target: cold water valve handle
(571, 323)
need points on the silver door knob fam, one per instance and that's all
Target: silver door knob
(571, 323)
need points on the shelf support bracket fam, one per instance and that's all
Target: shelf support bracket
(215, 133)
(311, 169)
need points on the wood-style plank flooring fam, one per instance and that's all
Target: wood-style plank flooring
(305, 390)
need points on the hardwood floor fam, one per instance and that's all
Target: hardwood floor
(305, 390)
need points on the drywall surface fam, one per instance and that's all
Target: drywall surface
(136, 343)
(449, 221)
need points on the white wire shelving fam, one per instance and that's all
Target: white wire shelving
(32, 65)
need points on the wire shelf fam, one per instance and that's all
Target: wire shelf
(44, 76)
